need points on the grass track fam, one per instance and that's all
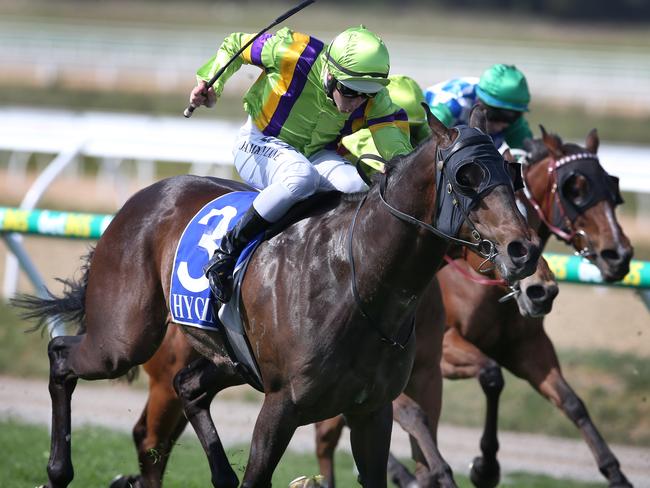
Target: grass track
(100, 454)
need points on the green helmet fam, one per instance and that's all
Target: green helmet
(358, 58)
(504, 86)
(406, 93)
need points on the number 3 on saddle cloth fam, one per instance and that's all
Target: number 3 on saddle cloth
(190, 299)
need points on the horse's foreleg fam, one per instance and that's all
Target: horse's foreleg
(328, 433)
(542, 370)
(370, 439)
(408, 414)
(461, 359)
(196, 386)
(274, 428)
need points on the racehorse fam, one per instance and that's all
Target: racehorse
(572, 197)
(322, 348)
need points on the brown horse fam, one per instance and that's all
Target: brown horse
(322, 348)
(481, 338)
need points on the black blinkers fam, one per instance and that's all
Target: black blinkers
(599, 185)
(467, 170)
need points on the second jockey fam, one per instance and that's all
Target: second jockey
(308, 97)
(502, 89)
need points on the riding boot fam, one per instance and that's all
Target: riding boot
(220, 267)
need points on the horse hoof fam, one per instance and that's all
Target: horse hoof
(121, 481)
(484, 475)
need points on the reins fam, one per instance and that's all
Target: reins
(483, 247)
(355, 290)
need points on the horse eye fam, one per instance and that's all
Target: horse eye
(470, 175)
(576, 189)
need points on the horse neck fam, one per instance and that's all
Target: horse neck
(396, 259)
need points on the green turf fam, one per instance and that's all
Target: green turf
(99, 454)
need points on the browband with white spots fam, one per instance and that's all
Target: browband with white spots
(575, 157)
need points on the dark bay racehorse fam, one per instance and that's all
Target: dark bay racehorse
(576, 201)
(327, 304)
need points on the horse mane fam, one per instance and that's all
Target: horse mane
(393, 166)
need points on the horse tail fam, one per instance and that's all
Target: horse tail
(70, 307)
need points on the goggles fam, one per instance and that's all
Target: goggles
(350, 93)
(494, 114)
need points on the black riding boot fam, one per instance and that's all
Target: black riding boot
(220, 267)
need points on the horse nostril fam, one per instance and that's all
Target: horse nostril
(535, 292)
(610, 255)
(516, 250)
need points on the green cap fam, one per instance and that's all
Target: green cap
(406, 93)
(504, 86)
(358, 58)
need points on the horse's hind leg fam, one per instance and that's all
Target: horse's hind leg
(62, 385)
(370, 438)
(328, 433)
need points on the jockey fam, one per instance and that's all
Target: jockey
(502, 89)
(406, 93)
(308, 97)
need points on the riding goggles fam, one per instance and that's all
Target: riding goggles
(350, 93)
(502, 115)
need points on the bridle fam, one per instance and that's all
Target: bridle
(551, 197)
(484, 247)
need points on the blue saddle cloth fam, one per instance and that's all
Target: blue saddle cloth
(190, 297)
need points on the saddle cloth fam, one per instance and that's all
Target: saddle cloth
(191, 302)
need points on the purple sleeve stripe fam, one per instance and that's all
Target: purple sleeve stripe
(256, 49)
(399, 115)
(298, 80)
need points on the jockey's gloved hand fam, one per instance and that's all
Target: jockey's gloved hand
(202, 95)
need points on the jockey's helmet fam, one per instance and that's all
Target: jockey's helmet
(503, 86)
(406, 93)
(359, 60)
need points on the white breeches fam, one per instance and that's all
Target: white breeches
(286, 176)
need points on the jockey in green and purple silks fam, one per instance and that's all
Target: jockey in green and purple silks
(308, 97)
(502, 89)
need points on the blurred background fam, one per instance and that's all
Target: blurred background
(91, 101)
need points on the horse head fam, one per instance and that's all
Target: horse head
(576, 199)
(475, 198)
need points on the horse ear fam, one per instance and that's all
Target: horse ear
(440, 130)
(552, 142)
(592, 141)
(478, 118)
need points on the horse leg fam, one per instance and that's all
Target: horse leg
(535, 361)
(408, 414)
(461, 359)
(274, 428)
(399, 474)
(159, 426)
(328, 433)
(162, 420)
(370, 439)
(196, 385)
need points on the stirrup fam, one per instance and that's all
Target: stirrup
(219, 273)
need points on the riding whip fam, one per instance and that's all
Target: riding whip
(190, 108)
